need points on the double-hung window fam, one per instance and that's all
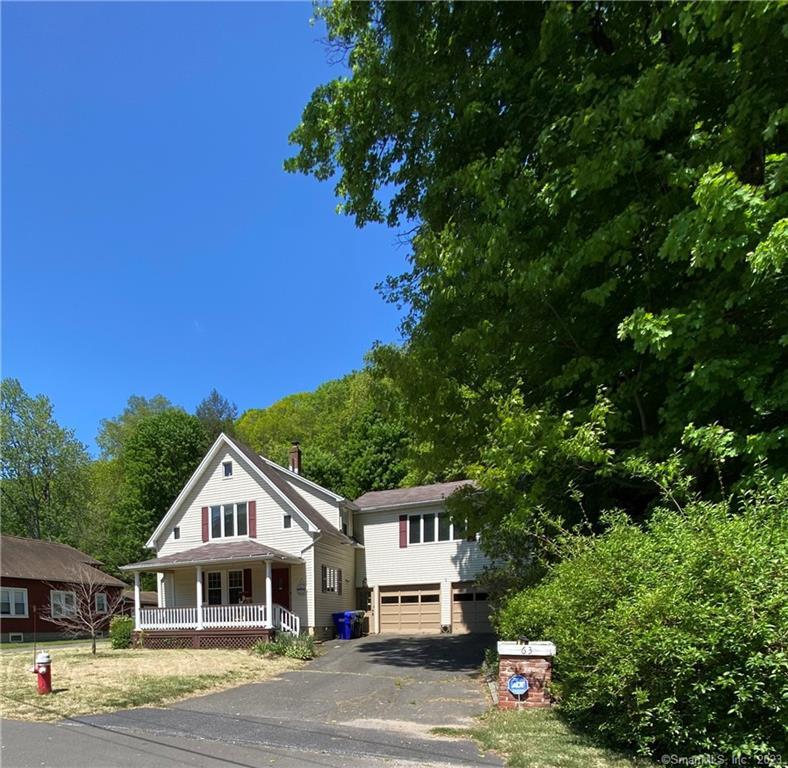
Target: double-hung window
(235, 586)
(229, 520)
(215, 588)
(331, 579)
(13, 602)
(63, 604)
(101, 602)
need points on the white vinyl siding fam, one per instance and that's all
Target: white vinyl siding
(244, 485)
(384, 562)
(334, 554)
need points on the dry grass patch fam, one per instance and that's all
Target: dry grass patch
(86, 684)
(538, 738)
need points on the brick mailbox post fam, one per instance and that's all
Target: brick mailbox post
(534, 663)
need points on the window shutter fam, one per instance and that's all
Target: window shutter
(252, 506)
(403, 531)
(323, 577)
(205, 523)
(248, 583)
(339, 581)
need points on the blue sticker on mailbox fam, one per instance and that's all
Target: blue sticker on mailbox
(517, 685)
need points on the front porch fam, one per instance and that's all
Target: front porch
(224, 595)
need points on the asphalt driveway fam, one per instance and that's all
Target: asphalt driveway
(368, 702)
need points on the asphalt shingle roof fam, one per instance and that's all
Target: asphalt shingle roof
(419, 494)
(224, 551)
(49, 561)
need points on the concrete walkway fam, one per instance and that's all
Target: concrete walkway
(368, 702)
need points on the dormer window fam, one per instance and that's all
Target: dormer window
(227, 467)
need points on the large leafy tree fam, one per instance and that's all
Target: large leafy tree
(350, 429)
(45, 480)
(217, 414)
(159, 455)
(597, 200)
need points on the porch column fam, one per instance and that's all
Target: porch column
(376, 609)
(136, 600)
(269, 606)
(198, 572)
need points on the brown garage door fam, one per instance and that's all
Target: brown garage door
(470, 610)
(413, 609)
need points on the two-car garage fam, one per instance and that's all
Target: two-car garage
(416, 609)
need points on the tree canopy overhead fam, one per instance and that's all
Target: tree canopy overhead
(597, 200)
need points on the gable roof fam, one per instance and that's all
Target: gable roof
(406, 497)
(49, 561)
(221, 551)
(272, 474)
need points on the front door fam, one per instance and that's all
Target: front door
(280, 592)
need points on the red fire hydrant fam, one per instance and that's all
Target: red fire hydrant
(43, 670)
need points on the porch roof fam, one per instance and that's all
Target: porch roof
(208, 554)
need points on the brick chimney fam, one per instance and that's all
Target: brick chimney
(295, 457)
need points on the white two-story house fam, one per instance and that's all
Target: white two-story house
(250, 548)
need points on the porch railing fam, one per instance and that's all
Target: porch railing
(216, 616)
(286, 620)
(241, 615)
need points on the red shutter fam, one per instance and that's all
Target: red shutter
(248, 584)
(253, 519)
(205, 523)
(403, 531)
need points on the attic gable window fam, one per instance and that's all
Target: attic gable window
(227, 468)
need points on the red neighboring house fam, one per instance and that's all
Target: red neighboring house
(37, 577)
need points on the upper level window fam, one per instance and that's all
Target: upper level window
(229, 520)
(176, 532)
(287, 521)
(13, 602)
(227, 468)
(430, 527)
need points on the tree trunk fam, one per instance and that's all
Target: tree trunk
(93, 641)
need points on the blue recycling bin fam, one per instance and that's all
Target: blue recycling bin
(343, 625)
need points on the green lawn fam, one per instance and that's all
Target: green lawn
(48, 644)
(538, 738)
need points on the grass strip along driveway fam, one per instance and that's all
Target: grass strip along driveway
(84, 683)
(540, 739)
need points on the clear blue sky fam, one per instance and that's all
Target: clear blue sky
(151, 241)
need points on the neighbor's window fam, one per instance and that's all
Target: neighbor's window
(229, 520)
(13, 602)
(331, 579)
(101, 602)
(63, 604)
(235, 586)
(287, 521)
(214, 588)
(227, 466)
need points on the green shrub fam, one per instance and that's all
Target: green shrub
(120, 629)
(301, 647)
(491, 662)
(672, 639)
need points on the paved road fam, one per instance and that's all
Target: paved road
(368, 702)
